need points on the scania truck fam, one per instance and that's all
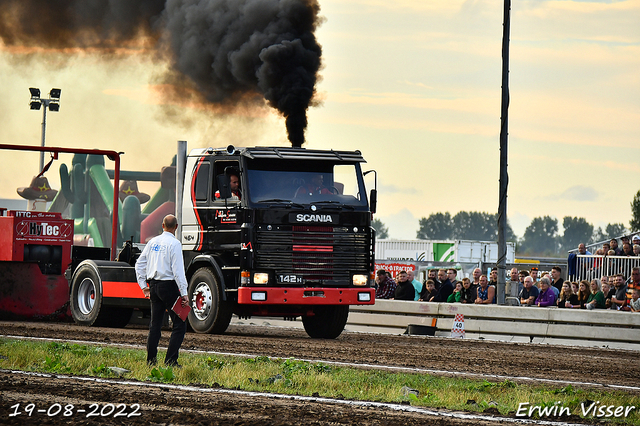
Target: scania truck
(265, 231)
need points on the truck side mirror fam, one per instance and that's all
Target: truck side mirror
(224, 186)
(373, 200)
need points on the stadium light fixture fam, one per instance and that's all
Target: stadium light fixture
(53, 104)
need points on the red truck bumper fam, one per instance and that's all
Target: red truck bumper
(305, 296)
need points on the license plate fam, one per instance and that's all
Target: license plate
(290, 279)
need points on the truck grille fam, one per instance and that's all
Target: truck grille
(317, 253)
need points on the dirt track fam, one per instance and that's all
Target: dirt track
(159, 407)
(175, 407)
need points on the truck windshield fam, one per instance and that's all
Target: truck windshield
(305, 182)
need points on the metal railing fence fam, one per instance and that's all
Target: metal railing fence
(588, 267)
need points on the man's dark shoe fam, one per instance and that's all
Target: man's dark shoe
(152, 362)
(172, 364)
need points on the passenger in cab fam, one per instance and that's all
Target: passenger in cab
(234, 185)
(314, 187)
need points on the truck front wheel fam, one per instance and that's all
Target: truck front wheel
(209, 313)
(327, 323)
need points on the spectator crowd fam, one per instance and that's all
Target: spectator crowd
(525, 287)
(628, 248)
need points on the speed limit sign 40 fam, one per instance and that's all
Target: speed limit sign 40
(458, 326)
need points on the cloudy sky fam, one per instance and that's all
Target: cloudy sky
(413, 84)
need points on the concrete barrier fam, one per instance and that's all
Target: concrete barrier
(512, 323)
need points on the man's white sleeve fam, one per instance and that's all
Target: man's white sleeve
(141, 268)
(177, 267)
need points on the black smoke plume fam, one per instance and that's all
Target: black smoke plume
(231, 51)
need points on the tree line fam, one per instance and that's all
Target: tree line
(541, 237)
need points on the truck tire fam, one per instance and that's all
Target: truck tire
(86, 296)
(209, 313)
(86, 302)
(327, 323)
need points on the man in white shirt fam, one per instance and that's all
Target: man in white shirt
(162, 266)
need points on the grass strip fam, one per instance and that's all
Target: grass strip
(290, 376)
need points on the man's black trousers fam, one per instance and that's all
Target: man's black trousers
(163, 295)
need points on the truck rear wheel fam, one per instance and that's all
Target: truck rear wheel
(209, 313)
(86, 302)
(327, 323)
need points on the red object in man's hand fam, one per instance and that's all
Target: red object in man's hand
(181, 308)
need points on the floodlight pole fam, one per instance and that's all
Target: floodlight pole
(45, 104)
(44, 130)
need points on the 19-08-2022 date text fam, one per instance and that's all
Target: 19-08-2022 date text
(70, 410)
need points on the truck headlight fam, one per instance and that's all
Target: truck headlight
(360, 280)
(260, 278)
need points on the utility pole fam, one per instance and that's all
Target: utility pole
(504, 176)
